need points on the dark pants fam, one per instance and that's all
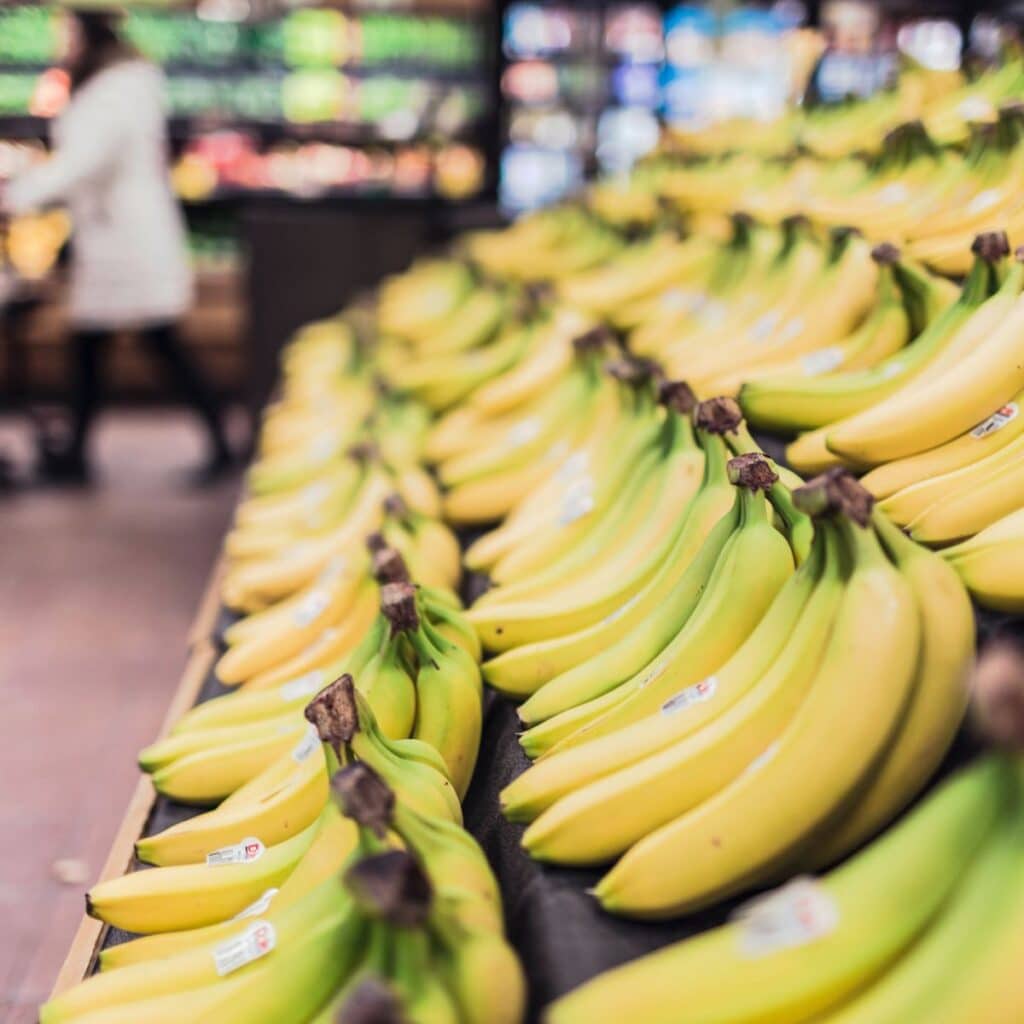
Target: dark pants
(163, 342)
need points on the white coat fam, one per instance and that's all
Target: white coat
(129, 255)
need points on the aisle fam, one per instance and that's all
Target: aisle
(77, 704)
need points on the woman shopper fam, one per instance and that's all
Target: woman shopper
(129, 262)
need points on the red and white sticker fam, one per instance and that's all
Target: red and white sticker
(257, 907)
(308, 685)
(311, 607)
(996, 421)
(307, 746)
(796, 914)
(696, 694)
(256, 941)
(247, 851)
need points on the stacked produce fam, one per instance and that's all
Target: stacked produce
(727, 675)
(391, 899)
(925, 923)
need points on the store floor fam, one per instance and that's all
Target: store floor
(97, 591)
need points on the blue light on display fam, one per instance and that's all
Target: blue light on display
(533, 177)
(636, 85)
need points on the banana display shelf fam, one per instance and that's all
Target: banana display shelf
(558, 929)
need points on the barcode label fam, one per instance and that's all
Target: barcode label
(247, 851)
(996, 421)
(794, 915)
(696, 694)
(256, 941)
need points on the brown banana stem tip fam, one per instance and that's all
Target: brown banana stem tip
(718, 415)
(886, 254)
(364, 797)
(991, 246)
(795, 220)
(835, 491)
(997, 694)
(334, 712)
(678, 396)
(753, 471)
(842, 232)
(376, 542)
(364, 451)
(388, 566)
(597, 339)
(392, 887)
(633, 370)
(371, 1002)
(398, 605)
(395, 507)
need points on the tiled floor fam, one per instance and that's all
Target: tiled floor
(97, 590)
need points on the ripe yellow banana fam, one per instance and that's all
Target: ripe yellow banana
(803, 948)
(776, 804)
(991, 563)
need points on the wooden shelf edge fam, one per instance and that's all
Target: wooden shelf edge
(89, 936)
(203, 625)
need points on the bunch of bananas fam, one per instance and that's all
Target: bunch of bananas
(678, 736)
(925, 923)
(383, 897)
(920, 189)
(726, 675)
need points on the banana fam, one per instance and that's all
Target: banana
(994, 433)
(449, 712)
(728, 610)
(217, 762)
(938, 699)
(802, 949)
(174, 898)
(991, 563)
(689, 711)
(964, 513)
(253, 705)
(775, 804)
(602, 820)
(580, 589)
(917, 985)
(335, 644)
(412, 768)
(839, 399)
(921, 416)
(287, 983)
(521, 671)
(591, 704)
(282, 800)
(334, 840)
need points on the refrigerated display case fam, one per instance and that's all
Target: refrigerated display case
(393, 85)
(580, 93)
